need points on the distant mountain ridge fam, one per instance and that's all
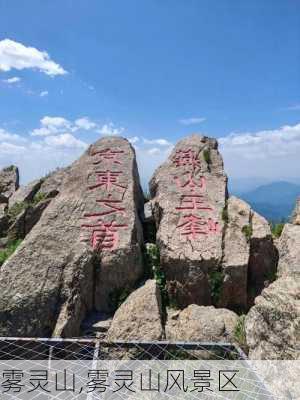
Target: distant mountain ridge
(275, 201)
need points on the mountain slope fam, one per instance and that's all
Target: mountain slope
(275, 201)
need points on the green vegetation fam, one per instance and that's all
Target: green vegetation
(277, 229)
(16, 209)
(206, 155)
(225, 215)
(39, 196)
(215, 279)
(247, 231)
(239, 331)
(9, 250)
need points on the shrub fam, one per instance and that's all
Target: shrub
(239, 331)
(216, 281)
(39, 196)
(9, 250)
(16, 209)
(247, 231)
(206, 155)
(277, 229)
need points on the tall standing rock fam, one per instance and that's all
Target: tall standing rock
(273, 323)
(189, 192)
(236, 255)
(56, 275)
(9, 181)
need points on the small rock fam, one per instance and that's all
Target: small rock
(296, 214)
(140, 316)
(25, 193)
(9, 181)
(201, 324)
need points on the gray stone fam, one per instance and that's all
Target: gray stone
(289, 251)
(140, 316)
(148, 212)
(296, 214)
(66, 266)
(26, 220)
(3, 219)
(25, 193)
(201, 324)
(52, 183)
(273, 324)
(263, 257)
(189, 192)
(9, 181)
(236, 255)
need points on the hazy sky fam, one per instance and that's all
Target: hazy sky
(153, 71)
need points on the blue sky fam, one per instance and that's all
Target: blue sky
(155, 71)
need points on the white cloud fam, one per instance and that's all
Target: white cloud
(14, 55)
(11, 149)
(65, 140)
(154, 151)
(110, 130)
(133, 139)
(52, 126)
(85, 123)
(192, 121)
(159, 142)
(44, 93)
(295, 107)
(268, 153)
(10, 81)
(10, 137)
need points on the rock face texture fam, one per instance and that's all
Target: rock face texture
(296, 214)
(199, 323)
(9, 181)
(273, 324)
(25, 193)
(263, 259)
(85, 245)
(236, 255)
(189, 192)
(140, 316)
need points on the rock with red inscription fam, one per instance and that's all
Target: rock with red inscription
(84, 248)
(9, 181)
(189, 194)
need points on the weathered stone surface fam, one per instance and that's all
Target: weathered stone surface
(52, 183)
(289, 250)
(263, 257)
(236, 255)
(273, 324)
(25, 193)
(3, 219)
(296, 214)
(189, 192)
(48, 285)
(140, 316)
(148, 212)
(9, 181)
(26, 220)
(200, 323)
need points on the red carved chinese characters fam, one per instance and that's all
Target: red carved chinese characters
(196, 218)
(102, 226)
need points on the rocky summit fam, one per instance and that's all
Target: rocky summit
(82, 251)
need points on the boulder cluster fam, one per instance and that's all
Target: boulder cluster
(91, 254)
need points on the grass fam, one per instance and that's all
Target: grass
(239, 331)
(247, 231)
(206, 155)
(215, 279)
(277, 230)
(9, 250)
